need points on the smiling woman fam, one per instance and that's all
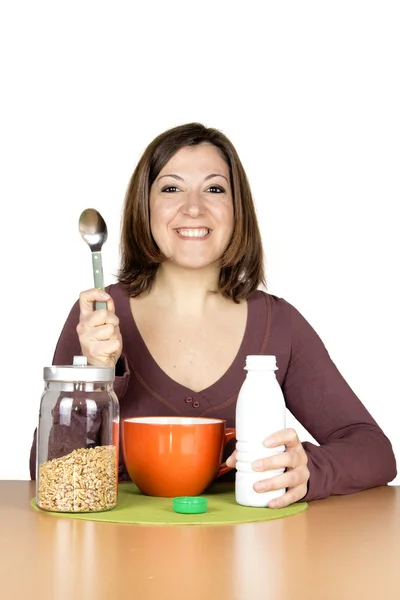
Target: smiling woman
(187, 310)
(188, 203)
(191, 178)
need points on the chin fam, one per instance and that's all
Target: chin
(194, 266)
(194, 263)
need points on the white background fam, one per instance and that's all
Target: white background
(309, 94)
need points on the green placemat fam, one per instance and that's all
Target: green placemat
(134, 507)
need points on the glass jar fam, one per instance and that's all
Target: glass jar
(77, 439)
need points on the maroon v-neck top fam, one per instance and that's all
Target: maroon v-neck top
(353, 453)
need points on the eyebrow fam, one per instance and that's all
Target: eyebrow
(181, 179)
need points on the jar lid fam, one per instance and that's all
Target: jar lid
(190, 505)
(261, 362)
(79, 372)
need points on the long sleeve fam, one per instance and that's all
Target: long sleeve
(354, 454)
(67, 347)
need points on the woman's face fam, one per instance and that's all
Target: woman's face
(191, 207)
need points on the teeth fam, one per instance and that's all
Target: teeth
(193, 232)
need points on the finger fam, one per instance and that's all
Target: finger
(104, 349)
(104, 332)
(231, 460)
(110, 306)
(289, 479)
(89, 323)
(88, 297)
(99, 317)
(287, 437)
(283, 460)
(290, 497)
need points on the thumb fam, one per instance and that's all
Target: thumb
(87, 299)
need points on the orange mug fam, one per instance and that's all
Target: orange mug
(174, 456)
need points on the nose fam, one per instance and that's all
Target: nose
(193, 205)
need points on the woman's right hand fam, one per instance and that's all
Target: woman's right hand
(98, 330)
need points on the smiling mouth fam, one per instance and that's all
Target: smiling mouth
(195, 233)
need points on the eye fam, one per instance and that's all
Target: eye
(216, 189)
(170, 189)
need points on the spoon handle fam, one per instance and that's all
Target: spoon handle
(98, 277)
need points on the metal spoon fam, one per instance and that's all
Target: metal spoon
(93, 230)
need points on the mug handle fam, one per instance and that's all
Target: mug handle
(230, 434)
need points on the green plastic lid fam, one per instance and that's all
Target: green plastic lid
(190, 505)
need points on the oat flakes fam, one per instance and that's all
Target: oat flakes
(82, 481)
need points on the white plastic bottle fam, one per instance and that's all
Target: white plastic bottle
(260, 412)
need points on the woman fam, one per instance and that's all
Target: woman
(187, 310)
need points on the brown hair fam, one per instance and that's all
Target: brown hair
(242, 268)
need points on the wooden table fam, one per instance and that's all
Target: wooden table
(341, 548)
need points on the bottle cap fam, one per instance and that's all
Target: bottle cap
(190, 505)
(261, 362)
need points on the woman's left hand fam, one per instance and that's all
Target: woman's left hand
(294, 460)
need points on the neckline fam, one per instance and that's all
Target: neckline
(161, 380)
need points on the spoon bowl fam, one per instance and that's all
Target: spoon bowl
(93, 230)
